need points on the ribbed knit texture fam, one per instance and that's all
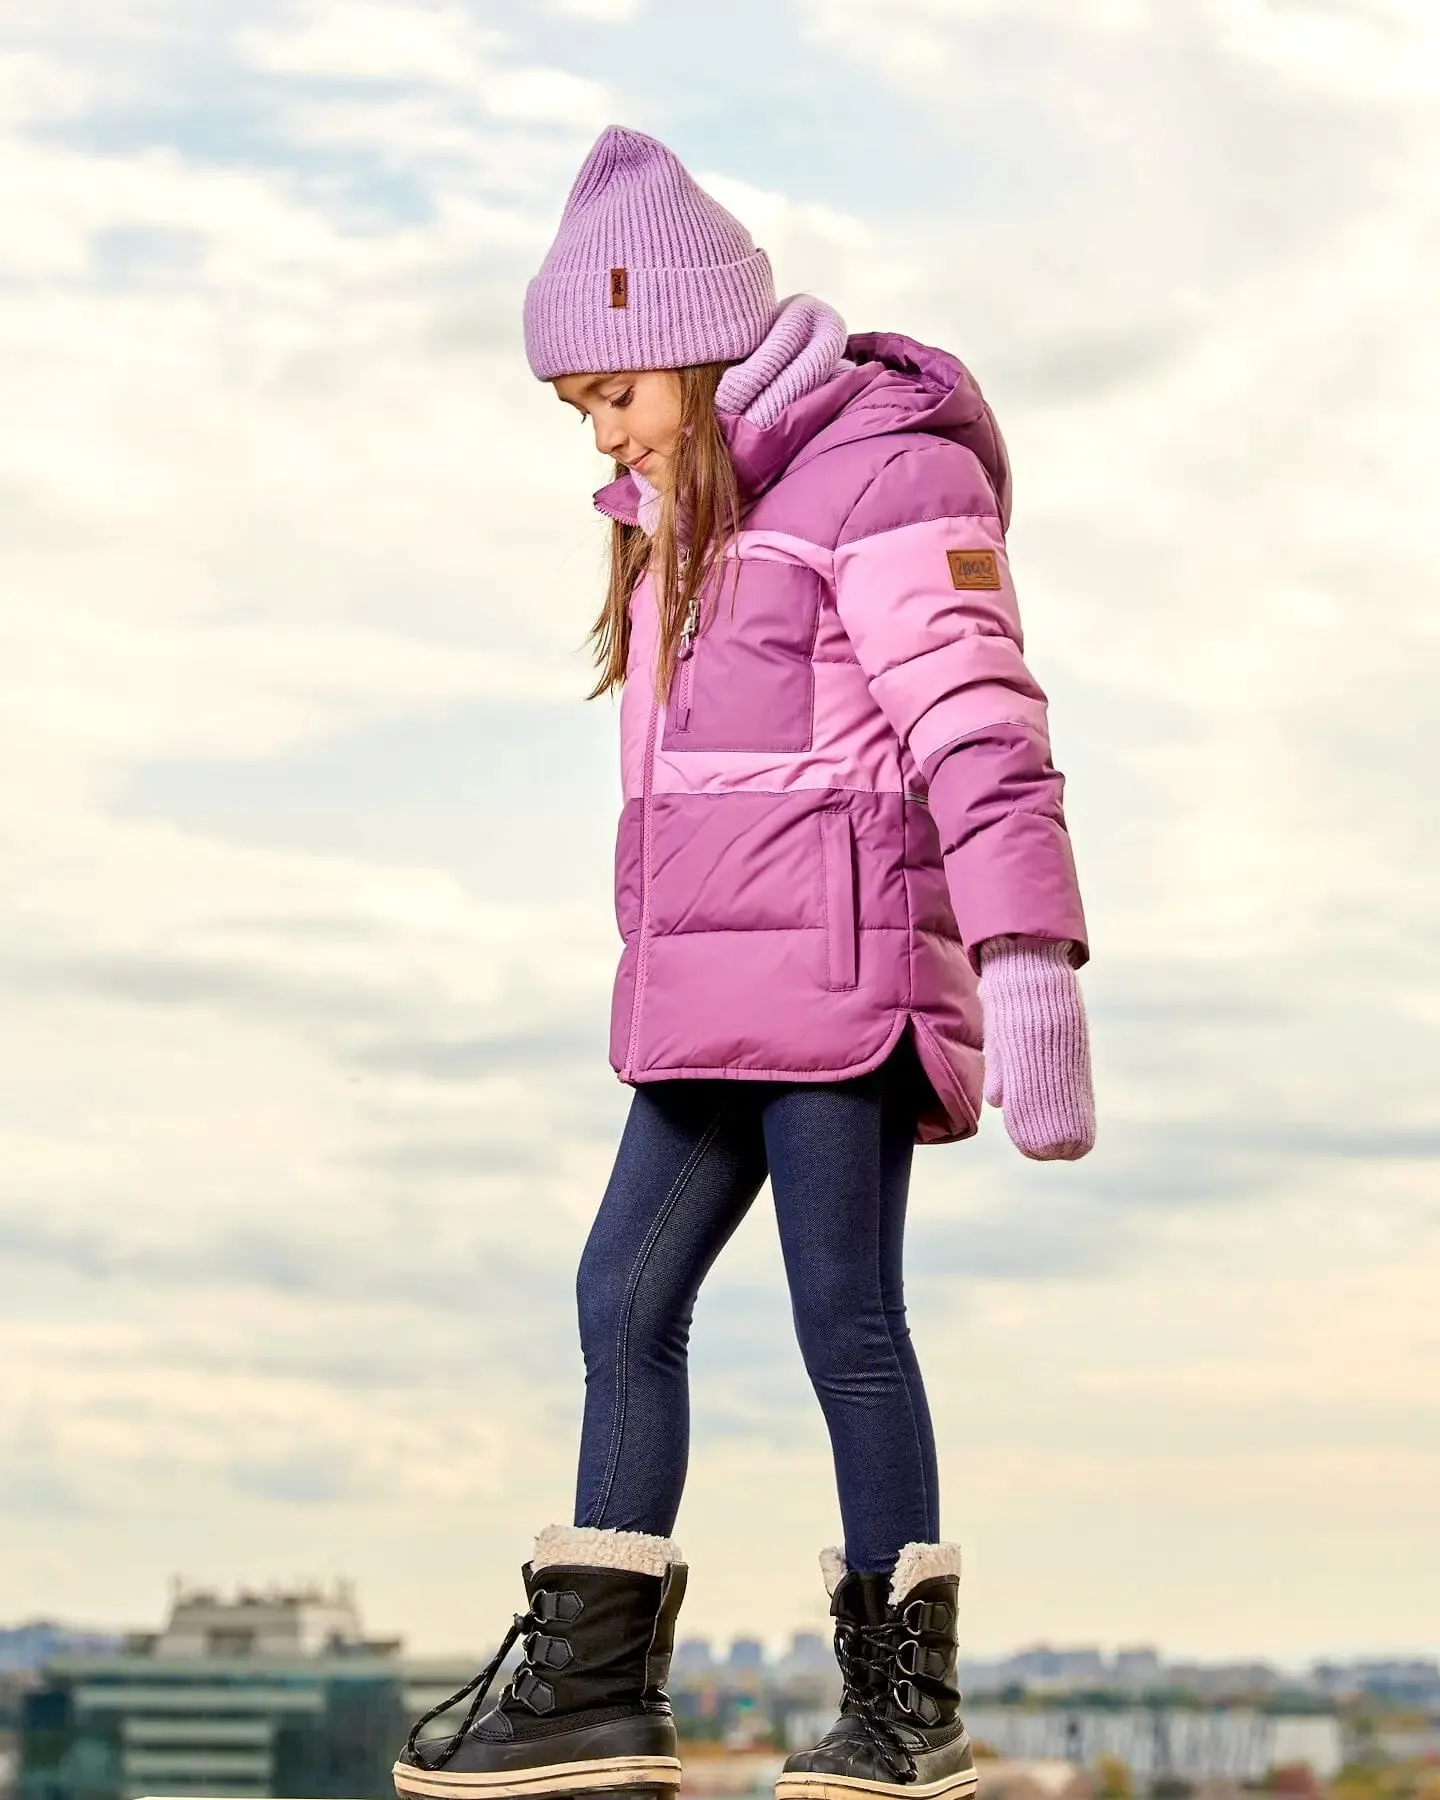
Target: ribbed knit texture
(801, 350)
(1037, 1047)
(695, 288)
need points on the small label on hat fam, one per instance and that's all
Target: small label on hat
(619, 288)
(974, 568)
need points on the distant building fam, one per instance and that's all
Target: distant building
(1138, 1666)
(692, 1657)
(12, 1687)
(1217, 1681)
(742, 1700)
(809, 1654)
(300, 1622)
(1043, 1667)
(1405, 1682)
(1237, 1744)
(264, 1694)
(26, 1647)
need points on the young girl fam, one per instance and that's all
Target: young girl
(839, 809)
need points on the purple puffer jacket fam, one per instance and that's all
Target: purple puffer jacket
(851, 787)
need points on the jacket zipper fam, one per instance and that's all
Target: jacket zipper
(684, 658)
(647, 807)
(647, 793)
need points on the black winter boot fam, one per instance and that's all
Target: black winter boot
(586, 1711)
(899, 1724)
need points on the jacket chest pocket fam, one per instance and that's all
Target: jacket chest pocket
(747, 682)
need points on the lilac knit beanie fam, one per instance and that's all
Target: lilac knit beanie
(646, 272)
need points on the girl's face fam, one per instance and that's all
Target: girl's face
(635, 415)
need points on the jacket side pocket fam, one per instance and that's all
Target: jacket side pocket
(837, 866)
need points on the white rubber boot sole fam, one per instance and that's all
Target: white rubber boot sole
(804, 1786)
(625, 1777)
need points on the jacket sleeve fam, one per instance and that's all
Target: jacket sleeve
(924, 592)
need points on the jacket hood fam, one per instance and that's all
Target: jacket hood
(896, 385)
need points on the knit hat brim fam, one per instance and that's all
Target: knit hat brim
(571, 327)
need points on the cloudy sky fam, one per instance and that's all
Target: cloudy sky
(305, 930)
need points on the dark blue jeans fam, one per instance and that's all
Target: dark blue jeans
(692, 1158)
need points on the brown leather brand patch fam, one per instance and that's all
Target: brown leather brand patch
(619, 288)
(974, 568)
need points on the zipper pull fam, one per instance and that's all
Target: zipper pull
(685, 650)
(680, 687)
(683, 656)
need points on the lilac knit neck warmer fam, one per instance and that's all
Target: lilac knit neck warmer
(801, 351)
(647, 516)
(803, 348)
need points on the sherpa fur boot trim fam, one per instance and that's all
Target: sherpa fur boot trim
(916, 1563)
(588, 1547)
(922, 1562)
(833, 1567)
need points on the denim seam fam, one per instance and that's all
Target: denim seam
(672, 1200)
(890, 1336)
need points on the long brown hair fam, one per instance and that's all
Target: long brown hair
(699, 515)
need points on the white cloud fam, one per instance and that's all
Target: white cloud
(1388, 51)
(34, 87)
(372, 40)
(284, 1137)
(279, 491)
(600, 12)
(437, 45)
(1360, 48)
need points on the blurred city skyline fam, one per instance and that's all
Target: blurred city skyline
(332, 1614)
(270, 1689)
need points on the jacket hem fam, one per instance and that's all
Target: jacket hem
(729, 1072)
(954, 1103)
(960, 1115)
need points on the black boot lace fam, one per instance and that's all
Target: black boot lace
(523, 1625)
(866, 1655)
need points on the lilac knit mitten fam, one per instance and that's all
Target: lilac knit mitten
(1037, 1047)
